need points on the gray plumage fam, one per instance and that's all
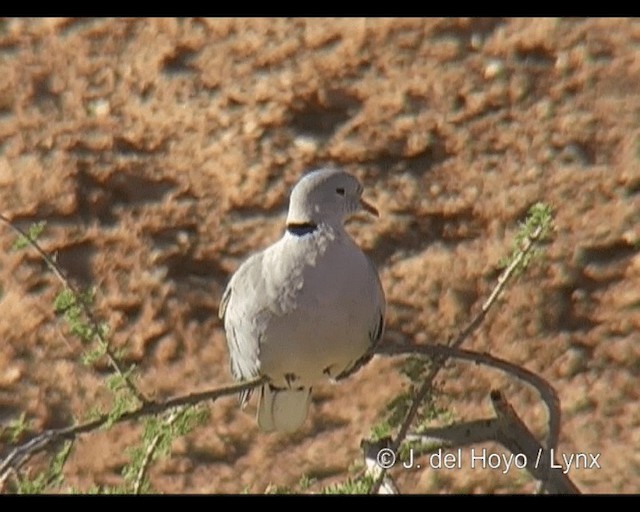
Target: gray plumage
(309, 307)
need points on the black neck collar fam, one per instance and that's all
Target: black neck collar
(301, 228)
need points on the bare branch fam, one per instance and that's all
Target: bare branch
(460, 434)
(514, 434)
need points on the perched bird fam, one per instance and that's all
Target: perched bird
(309, 307)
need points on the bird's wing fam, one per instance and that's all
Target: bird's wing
(377, 325)
(239, 307)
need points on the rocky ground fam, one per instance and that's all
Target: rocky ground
(161, 153)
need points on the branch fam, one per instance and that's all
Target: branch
(95, 325)
(507, 273)
(20, 454)
(511, 432)
(515, 436)
(547, 392)
(460, 434)
(508, 428)
(439, 362)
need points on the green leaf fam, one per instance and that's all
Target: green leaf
(90, 356)
(361, 485)
(380, 430)
(34, 231)
(190, 418)
(278, 489)
(415, 367)
(15, 428)
(398, 408)
(50, 477)
(305, 482)
(35, 485)
(64, 300)
(93, 413)
(539, 216)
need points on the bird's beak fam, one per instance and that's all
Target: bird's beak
(369, 207)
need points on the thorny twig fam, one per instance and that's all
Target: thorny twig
(439, 362)
(153, 445)
(20, 454)
(95, 325)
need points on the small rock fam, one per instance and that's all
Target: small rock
(10, 376)
(493, 69)
(99, 108)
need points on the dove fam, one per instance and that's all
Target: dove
(308, 308)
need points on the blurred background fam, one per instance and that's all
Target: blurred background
(161, 153)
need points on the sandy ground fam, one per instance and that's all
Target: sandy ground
(161, 153)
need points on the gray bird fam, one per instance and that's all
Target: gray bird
(309, 307)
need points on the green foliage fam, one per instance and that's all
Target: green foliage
(123, 399)
(278, 489)
(157, 436)
(303, 486)
(380, 430)
(75, 308)
(123, 402)
(430, 412)
(539, 217)
(397, 409)
(34, 231)
(14, 430)
(189, 419)
(359, 485)
(50, 478)
(93, 413)
(415, 369)
(93, 354)
(72, 306)
(93, 489)
(306, 482)
(64, 300)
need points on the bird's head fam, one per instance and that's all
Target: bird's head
(328, 196)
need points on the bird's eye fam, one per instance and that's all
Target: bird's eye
(340, 191)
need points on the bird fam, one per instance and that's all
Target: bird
(309, 307)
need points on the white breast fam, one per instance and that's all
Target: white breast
(331, 306)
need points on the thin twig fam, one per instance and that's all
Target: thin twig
(151, 450)
(439, 362)
(507, 273)
(20, 454)
(113, 360)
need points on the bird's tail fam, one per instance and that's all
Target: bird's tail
(283, 410)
